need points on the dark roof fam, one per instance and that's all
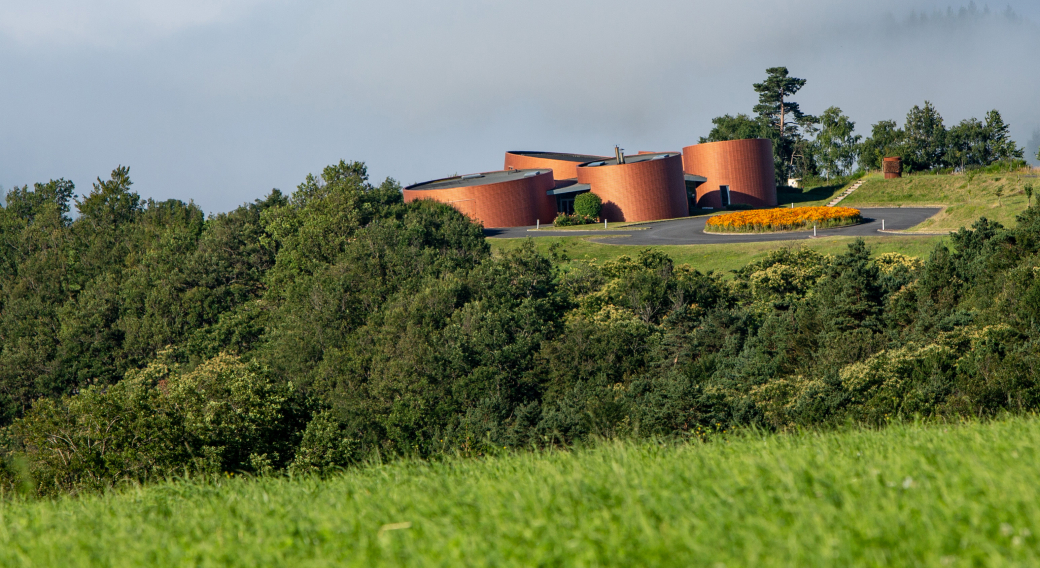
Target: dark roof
(568, 186)
(471, 180)
(562, 156)
(631, 159)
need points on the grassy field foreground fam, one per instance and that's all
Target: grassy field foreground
(907, 496)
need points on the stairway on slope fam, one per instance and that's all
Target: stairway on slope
(845, 193)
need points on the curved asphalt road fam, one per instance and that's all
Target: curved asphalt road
(690, 231)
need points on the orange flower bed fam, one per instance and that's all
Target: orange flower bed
(783, 219)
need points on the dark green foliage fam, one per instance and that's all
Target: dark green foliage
(310, 333)
(778, 119)
(588, 204)
(925, 144)
(806, 146)
(836, 147)
(740, 127)
(785, 123)
(160, 421)
(925, 138)
(777, 111)
(885, 140)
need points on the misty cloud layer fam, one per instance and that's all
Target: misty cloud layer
(220, 101)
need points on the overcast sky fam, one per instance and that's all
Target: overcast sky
(218, 101)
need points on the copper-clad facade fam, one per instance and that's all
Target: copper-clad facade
(650, 186)
(893, 167)
(744, 166)
(496, 199)
(563, 165)
(647, 187)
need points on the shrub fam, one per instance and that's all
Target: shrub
(222, 416)
(325, 446)
(588, 205)
(565, 220)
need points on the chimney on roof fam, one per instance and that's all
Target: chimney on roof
(619, 153)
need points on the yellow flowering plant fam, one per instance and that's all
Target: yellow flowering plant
(783, 219)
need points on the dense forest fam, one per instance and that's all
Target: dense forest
(304, 333)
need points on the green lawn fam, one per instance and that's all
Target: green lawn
(964, 200)
(720, 257)
(944, 495)
(810, 197)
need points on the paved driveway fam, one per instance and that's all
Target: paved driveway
(690, 231)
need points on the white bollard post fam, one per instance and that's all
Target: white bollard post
(882, 224)
(814, 230)
(604, 223)
(537, 224)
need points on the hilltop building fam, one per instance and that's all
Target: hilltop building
(648, 186)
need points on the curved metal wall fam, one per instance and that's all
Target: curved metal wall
(639, 191)
(562, 169)
(512, 203)
(746, 166)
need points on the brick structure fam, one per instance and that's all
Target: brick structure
(647, 187)
(514, 198)
(892, 167)
(563, 165)
(744, 166)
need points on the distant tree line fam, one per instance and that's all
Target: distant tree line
(305, 333)
(826, 145)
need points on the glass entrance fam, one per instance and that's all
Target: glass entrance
(565, 203)
(724, 195)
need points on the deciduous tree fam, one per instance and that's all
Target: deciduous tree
(837, 145)
(886, 139)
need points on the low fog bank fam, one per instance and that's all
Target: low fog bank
(221, 103)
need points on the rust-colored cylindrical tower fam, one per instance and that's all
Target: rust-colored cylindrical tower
(647, 187)
(513, 198)
(744, 167)
(563, 165)
(892, 167)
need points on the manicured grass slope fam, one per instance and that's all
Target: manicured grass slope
(721, 257)
(812, 196)
(907, 496)
(965, 201)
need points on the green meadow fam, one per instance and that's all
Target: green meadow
(718, 257)
(909, 495)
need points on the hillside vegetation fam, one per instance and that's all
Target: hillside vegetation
(943, 495)
(304, 333)
(965, 198)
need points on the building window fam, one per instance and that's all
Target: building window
(724, 195)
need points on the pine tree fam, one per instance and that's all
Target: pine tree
(781, 114)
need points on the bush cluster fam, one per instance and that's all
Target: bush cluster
(307, 333)
(565, 220)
